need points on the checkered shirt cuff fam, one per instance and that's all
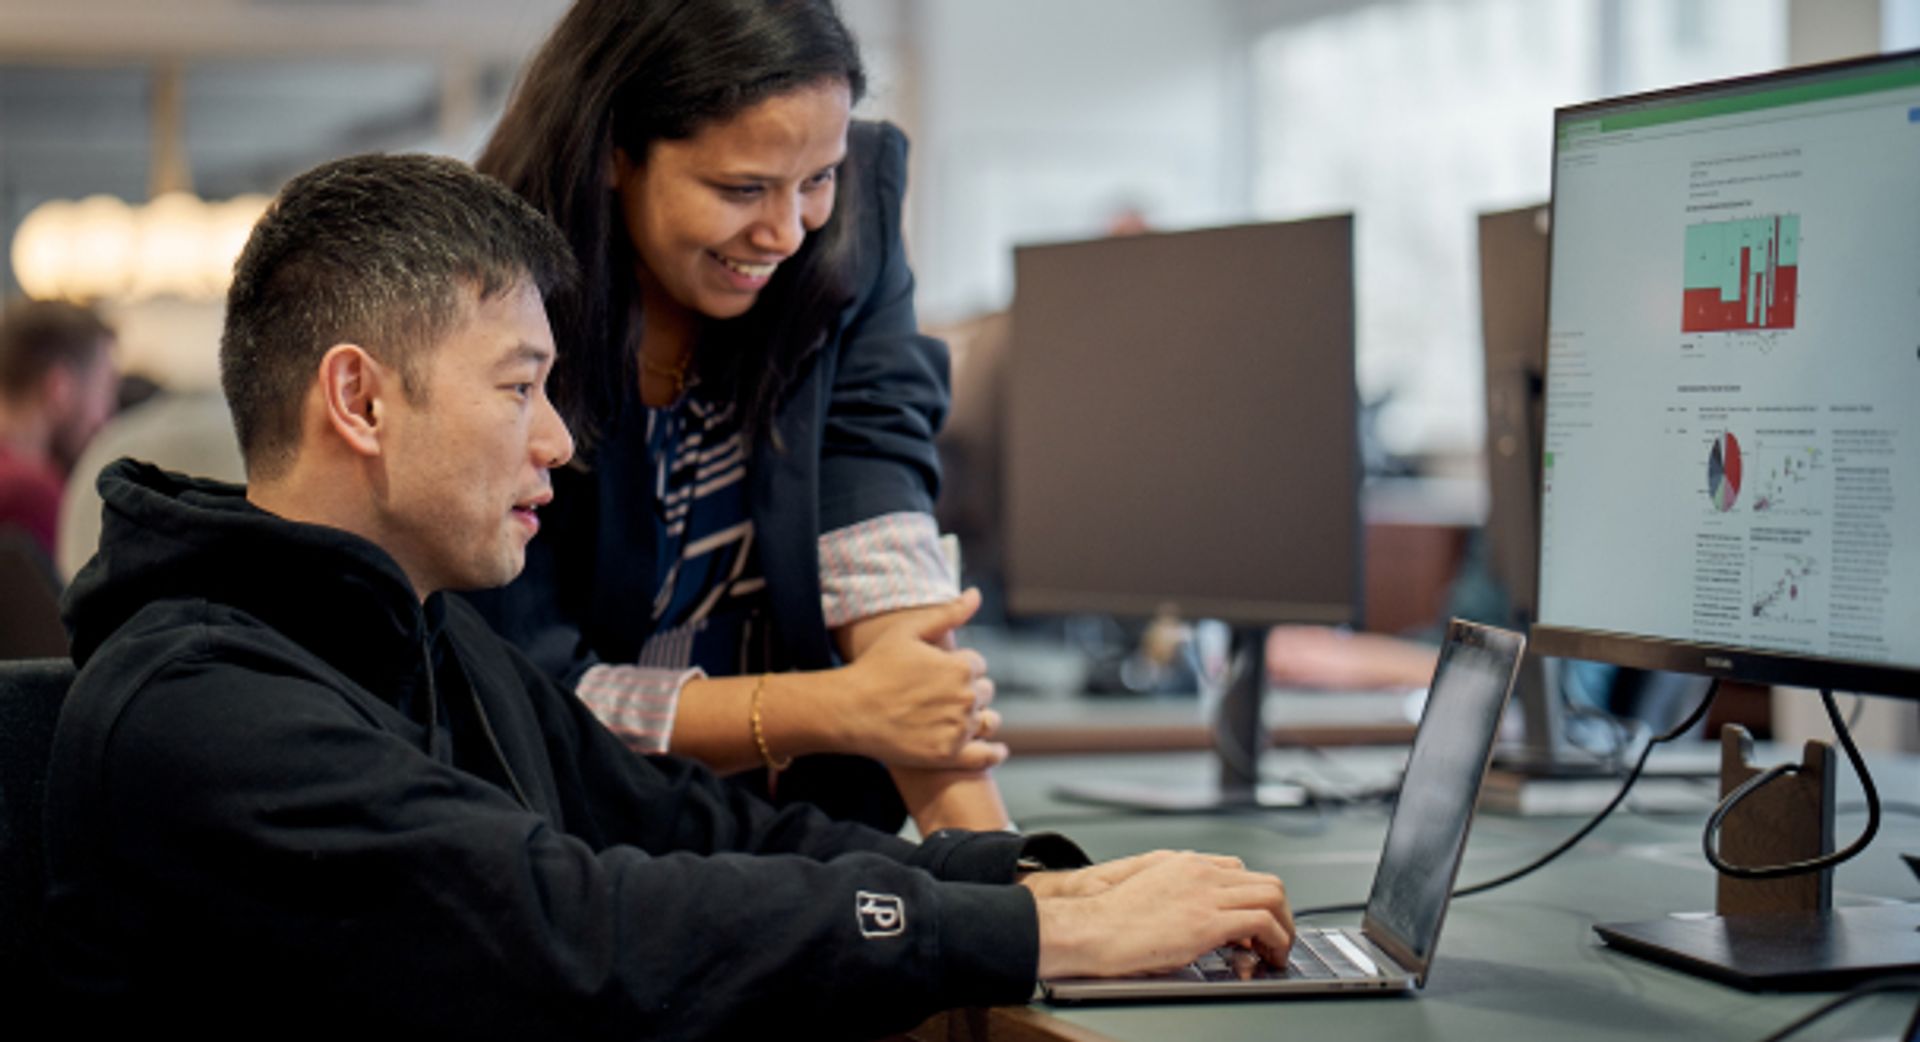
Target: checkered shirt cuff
(883, 564)
(636, 703)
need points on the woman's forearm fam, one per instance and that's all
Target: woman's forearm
(715, 720)
(951, 799)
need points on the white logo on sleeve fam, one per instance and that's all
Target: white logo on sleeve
(880, 915)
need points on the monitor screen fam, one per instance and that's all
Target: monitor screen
(1731, 468)
(1181, 426)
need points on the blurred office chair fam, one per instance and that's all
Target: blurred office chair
(30, 696)
(30, 606)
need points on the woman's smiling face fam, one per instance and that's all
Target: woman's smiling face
(712, 216)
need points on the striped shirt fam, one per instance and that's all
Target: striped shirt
(710, 607)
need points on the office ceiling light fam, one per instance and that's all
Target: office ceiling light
(175, 245)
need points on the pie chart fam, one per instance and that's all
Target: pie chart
(1723, 472)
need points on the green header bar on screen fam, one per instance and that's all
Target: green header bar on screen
(1734, 104)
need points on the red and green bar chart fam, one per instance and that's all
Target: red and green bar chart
(1742, 274)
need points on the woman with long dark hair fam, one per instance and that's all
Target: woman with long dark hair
(744, 567)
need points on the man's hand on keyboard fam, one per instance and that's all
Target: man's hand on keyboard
(1095, 879)
(1155, 913)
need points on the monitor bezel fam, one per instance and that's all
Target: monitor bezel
(1649, 651)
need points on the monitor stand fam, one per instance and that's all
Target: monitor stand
(1784, 934)
(1239, 738)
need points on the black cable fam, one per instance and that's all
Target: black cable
(1872, 987)
(1711, 834)
(1626, 784)
(1640, 764)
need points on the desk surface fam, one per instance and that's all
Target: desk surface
(1520, 962)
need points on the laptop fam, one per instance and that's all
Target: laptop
(1392, 950)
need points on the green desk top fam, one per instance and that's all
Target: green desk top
(1520, 962)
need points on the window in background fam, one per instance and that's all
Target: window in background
(1419, 115)
(1899, 24)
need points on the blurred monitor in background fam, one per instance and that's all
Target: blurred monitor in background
(972, 441)
(1180, 426)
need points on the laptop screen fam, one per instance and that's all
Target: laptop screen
(1428, 830)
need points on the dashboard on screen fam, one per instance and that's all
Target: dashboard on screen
(1731, 457)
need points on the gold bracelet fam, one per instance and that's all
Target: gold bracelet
(760, 735)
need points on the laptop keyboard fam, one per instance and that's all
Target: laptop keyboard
(1314, 957)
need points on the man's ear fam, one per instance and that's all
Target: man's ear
(354, 388)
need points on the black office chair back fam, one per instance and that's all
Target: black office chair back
(30, 695)
(30, 607)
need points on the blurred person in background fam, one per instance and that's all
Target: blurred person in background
(57, 387)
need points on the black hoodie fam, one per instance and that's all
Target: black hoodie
(287, 795)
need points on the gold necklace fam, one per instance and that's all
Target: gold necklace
(675, 374)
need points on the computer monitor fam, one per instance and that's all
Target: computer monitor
(1731, 467)
(1513, 322)
(1731, 480)
(1182, 432)
(1181, 426)
(1513, 325)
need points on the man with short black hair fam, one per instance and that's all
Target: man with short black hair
(298, 789)
(57, 383)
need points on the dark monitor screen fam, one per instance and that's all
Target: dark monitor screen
(1181, 426)
(1732, 444)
